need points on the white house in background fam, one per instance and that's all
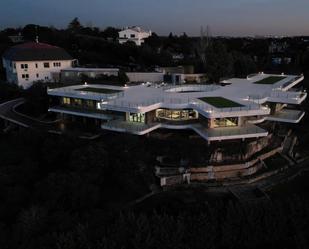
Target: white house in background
(34, 61)
(134, 34)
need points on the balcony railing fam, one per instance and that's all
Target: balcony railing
(130, 127)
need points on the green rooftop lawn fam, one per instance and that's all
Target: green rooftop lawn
(98, 90)
(220, 102)
(270, 80)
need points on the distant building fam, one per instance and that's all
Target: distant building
(278, 47)
(34, 61)
(74, 74)
(16, 38)
(140, 77)
(134, 34)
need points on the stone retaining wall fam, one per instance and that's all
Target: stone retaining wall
(218, 173)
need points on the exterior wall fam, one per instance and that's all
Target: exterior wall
(14, 71)
(198, 78)
(150, 116)
(275, 107)
(10, 71)
(145, 77)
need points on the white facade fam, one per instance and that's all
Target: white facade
(134, 34)
(253, 102)
(24, 73)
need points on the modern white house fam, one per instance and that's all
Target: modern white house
(134, 34)
(34, 61)
(231, 110)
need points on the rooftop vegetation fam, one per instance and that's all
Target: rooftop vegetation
(220, 102)
(98, 90)
(270, 80)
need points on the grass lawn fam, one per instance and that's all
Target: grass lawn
(220, 102)
(270, 80)
(98, 90)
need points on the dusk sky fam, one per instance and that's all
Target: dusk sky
(225, 17)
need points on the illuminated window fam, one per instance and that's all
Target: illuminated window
(226, 122)
(78, 102)
(137, 117)
(176, 115)
(66, 101)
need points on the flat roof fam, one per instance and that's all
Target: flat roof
(85, 69)
(240, 95)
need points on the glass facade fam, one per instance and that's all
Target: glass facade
(225, 122)
(176, 115)
(137, 117)
(83, 103)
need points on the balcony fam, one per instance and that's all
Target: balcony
(228, 133)
(287, 116)
(83, 112)
(292, 82)
(288, 97)
(130, 127)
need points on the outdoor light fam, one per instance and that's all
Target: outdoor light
(85, 83)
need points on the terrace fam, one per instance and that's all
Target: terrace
(287, 116)
(95, 92)
(228, 133)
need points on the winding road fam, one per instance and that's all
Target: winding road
(8, 113)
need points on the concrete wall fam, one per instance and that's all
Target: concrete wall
(145, 77)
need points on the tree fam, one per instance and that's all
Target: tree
(75, 25)
(219, 63)
(110, 32)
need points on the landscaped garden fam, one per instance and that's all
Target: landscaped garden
(270, 80)
(220, 102)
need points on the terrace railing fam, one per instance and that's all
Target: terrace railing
(69, 92)
(178, 103)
